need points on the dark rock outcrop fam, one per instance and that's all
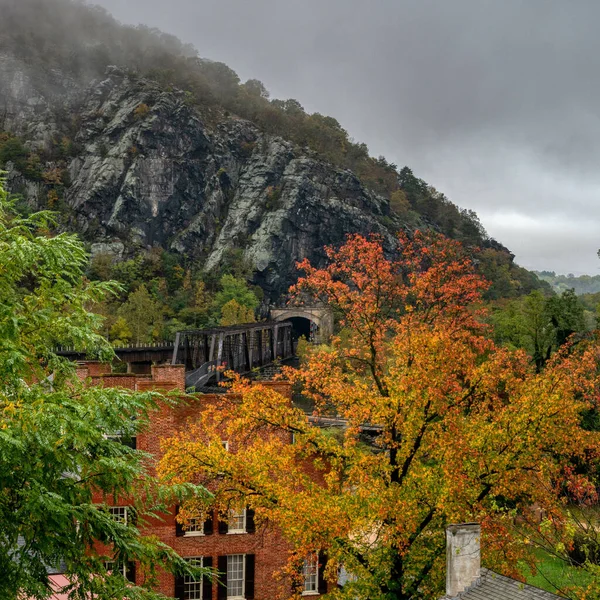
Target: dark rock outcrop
(152, 169)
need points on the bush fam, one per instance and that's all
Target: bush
(141, 111)
(586, 547)
(13, 150)
(273, 193)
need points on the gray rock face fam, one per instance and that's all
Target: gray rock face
(152, 170)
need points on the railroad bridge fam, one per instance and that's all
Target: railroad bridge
(206, 353)
(241, 348)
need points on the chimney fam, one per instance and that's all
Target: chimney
(463, 557)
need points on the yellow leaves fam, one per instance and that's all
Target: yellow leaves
(433, 422)
(234, 313)
(10, 409)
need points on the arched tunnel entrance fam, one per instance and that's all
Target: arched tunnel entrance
(314, 323)
(303, 327)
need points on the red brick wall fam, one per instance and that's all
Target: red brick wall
(97, 368)
(269, 549)
(149, 385)
(267, 544)
(173, 373)
(82, 372)
(118, 380)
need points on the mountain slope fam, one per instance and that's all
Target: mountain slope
(154, 152)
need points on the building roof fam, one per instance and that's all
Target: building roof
(57, 584)
(491, 586)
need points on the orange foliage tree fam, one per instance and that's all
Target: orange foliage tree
(429, 423)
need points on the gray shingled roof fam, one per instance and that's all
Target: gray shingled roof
(56, 570)
(491, 586)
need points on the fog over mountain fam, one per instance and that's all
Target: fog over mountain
(494, 103)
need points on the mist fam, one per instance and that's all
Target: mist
(494, 103)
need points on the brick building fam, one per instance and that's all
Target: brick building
(248, 556)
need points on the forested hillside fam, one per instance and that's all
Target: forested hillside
(176, 173)
(582, 284)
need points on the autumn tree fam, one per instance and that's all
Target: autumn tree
(234, 313)
(234, 288)
(61, 440)
(141, 313)
(459, 429)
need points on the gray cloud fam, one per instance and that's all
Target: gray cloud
(496, 103)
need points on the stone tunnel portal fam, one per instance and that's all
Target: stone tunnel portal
(315, 324)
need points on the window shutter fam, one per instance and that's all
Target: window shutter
(130, 572)
(208, 525)
(179, 588)
(223, 526)
(250, 527)
(249, 583)
(207, 579)
(132, 516)
(222, 566)
(322, 582)
(178, 526)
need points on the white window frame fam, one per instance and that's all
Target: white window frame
(112, 565)
(189, 581)
(193, 528)
(119, 437)
(233, 514)
(243, 596)
(225, 444)
(313, 567)
(117, 517)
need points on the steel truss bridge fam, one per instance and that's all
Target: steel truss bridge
(206, 353)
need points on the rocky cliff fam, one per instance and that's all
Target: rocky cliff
(147, 168)
(154, 154)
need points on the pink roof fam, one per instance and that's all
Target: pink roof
(58, 582)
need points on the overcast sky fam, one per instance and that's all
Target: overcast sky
(494, 102)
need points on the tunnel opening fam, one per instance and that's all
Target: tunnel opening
(303, 327)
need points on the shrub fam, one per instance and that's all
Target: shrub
(585, 547)
(273, 193)
(141, 112)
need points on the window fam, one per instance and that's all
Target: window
(194, 527)
(192, 588)
(188, 587)
(236, 581)
(120, 513)
(310, 570)
(126, 440)
(236, 567)
(225, 444)
(126, 569)
(237, 521)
